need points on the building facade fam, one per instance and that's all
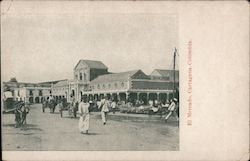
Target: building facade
(29, 92)
(92, 80)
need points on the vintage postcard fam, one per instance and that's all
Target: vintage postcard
(125, 80)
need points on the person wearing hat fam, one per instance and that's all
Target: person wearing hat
(172, 109)
(83, 110)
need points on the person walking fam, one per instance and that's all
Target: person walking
(172, 109)
(104, 109)
(83, 110)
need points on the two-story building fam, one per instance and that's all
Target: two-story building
(92, 80)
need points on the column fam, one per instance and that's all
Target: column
(147, 98)
(157, 95)
(118, 96)
(127, 96)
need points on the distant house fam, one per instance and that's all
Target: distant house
(29, 92)
(167, 75)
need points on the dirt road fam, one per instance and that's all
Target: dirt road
(45, 131)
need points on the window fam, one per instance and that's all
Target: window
(84, 76)
(76, 77)
(18, 93)
(40, 93)
(103, 86)
(80, 76)
(93, 87)
(122, 84)
(98, 86)
(115, 85)
(31, 93)
(109, 85)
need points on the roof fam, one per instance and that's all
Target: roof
(123, 76)
(93, 64)
(166, 73)
(52, 82)
(62, 83)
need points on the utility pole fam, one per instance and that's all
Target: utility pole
(175, 51)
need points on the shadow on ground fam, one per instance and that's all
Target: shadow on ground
(25, 127)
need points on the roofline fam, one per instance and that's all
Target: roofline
(166, 69)
(93, 61)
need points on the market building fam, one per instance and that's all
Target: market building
(92, 80)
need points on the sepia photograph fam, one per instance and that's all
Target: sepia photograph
(90, 82)
(124, 80)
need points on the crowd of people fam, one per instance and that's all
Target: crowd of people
(104, 105)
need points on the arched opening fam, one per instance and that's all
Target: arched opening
(108, 96)
(96, 97)
(132, 97)
(152, 96)
(171, 96)
(163, 97)
(42, 99)
(143, 97)
(37, 99)
(114, 97)
(31, 100)
(122, 96)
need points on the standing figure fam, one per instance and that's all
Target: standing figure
(83, 110)
(172, 109)
(151, 103)
(71, 109)
(104, 109)
(113, 105)
(75, 108)
(25, 110)
(18, 114)
(45, 104)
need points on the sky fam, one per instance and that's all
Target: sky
(42, 45)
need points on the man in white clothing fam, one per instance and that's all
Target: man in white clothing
(104, 109)
(83, 110)
(172, 109)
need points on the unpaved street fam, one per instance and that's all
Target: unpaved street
(45, 131)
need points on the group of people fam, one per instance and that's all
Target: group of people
(172, 107)
(51, 103)
(21, 110)
(83, 109)
(105, 104)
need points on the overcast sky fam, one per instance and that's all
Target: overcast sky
(46, 46)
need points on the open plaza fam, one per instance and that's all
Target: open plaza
(136, 123)
(123, 132)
